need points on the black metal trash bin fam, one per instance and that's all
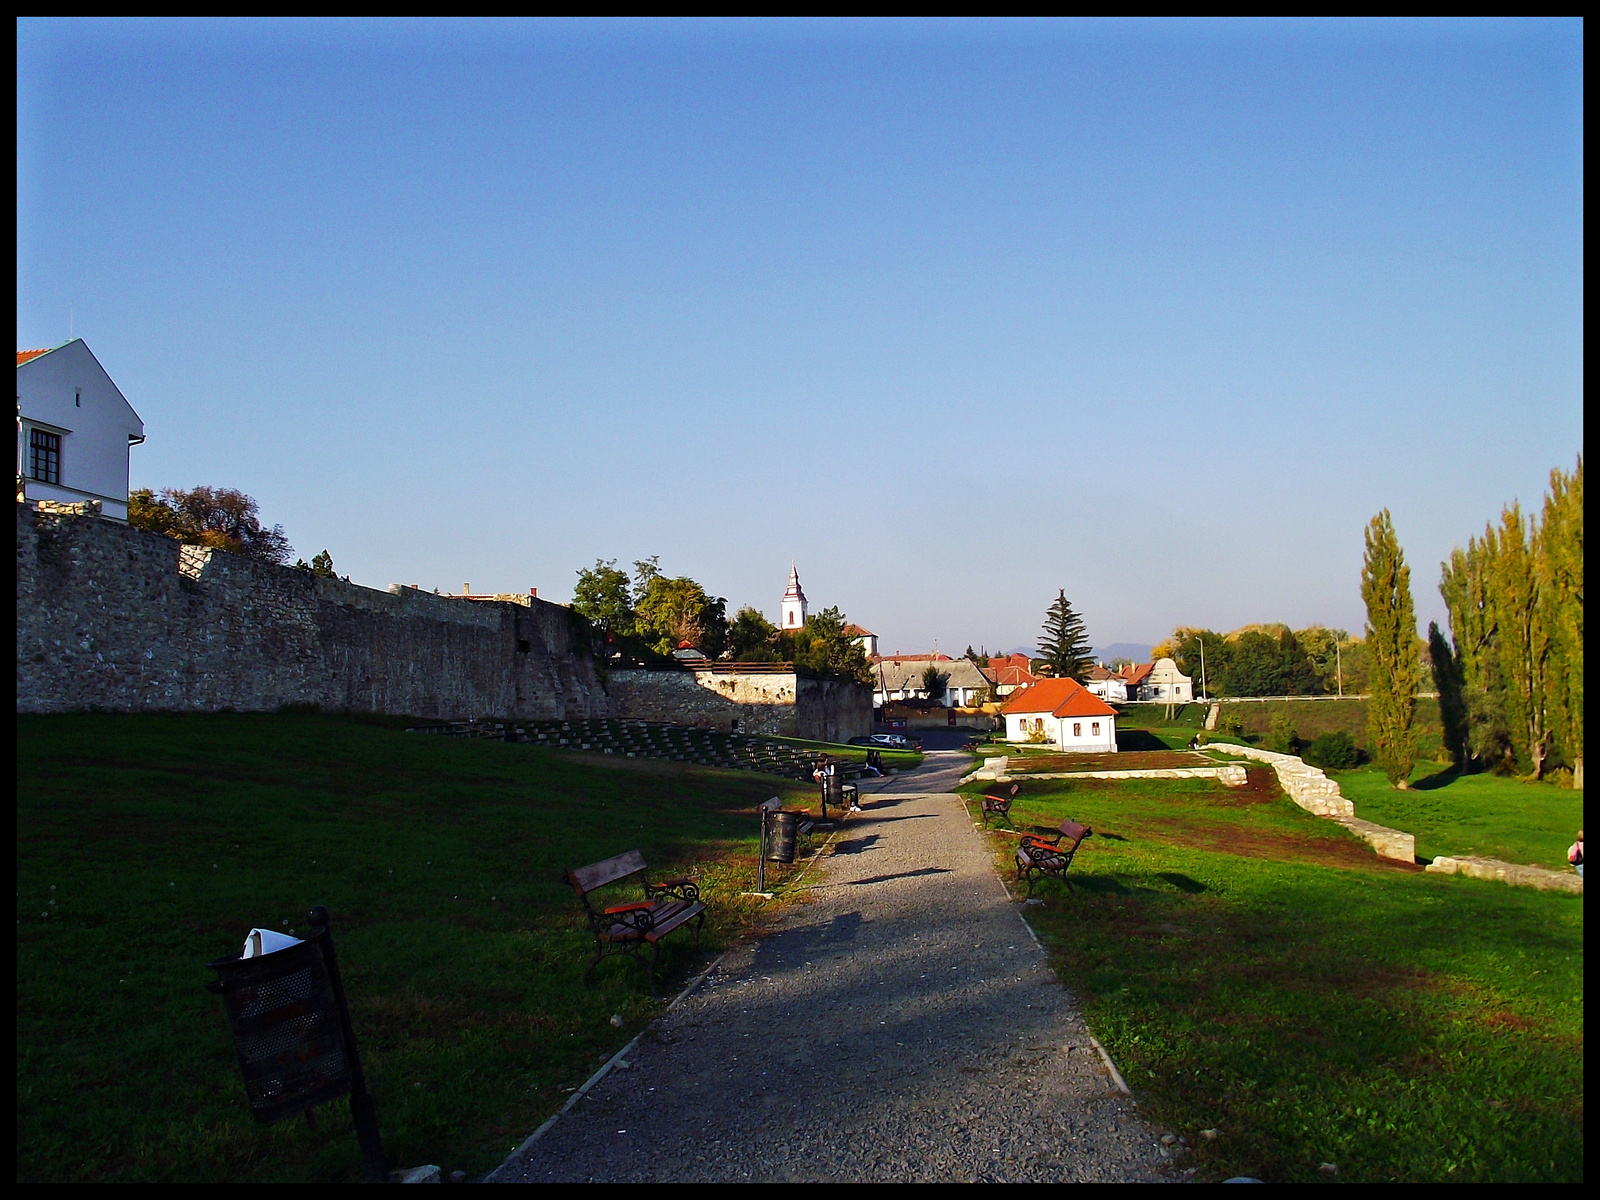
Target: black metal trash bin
(292, 1033)
(833, 790)
(783, 831)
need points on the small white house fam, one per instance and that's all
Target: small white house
(1159, 682)
(1108, 685)
(74, 429)
(1064, 714)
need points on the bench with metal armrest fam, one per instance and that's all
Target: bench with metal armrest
(998, 808)
(628, 928)
(1049, 857)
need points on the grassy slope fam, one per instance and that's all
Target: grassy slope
(156, 842)
(1449, 814)
(1472, 814)
(1255, 970)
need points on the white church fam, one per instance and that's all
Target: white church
(793, 612)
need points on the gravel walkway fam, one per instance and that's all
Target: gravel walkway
(902, 1026)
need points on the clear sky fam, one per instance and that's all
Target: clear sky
(953, 315)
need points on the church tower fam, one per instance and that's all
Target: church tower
(794, 603)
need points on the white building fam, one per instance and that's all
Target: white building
(1159, 682)
(1061, 713)
(900, 677)
(74, 429)
(1108, 685)
(794, 603)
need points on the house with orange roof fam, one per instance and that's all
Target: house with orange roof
(1062, 713)
(1009, 674)
(75, 430)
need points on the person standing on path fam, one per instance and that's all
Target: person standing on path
(1575, 854)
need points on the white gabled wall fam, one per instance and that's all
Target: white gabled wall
(67, 392)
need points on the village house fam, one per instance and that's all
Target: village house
(900, 677)
(1159, 682)
(1109, 685)
(1009, 673)
(1061, 713)
(75, 430)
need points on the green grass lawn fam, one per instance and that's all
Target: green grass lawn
(1472, 814)
(154, 843)
(1257, 971)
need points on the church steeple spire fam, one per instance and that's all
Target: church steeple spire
(794, 602)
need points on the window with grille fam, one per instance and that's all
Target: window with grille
(1077, 729)
(44, 451)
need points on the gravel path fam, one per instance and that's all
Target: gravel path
(902, 1026)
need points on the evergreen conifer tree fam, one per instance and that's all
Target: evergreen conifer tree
(1065, 645)
(1392, 647)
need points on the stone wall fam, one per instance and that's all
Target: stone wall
(832, 710)
(762, 703)
(114, 618)
(773, 703)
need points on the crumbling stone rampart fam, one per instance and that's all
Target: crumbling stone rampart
(115, 618)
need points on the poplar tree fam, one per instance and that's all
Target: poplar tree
(1521, 638)
(1560, 565)
(1465, 586)
(1065, 645)
(1392, 647)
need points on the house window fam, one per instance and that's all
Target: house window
(44, 456)
(1095, 729)
(1077, 729)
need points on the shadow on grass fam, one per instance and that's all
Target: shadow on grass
(1182, 882)
(1442, 780)
(1139, 739)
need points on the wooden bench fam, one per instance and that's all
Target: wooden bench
(629, 928)
(1038, 857)
(998, 808)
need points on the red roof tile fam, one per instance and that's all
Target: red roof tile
(1136, 675)
(1059, 698)
(24, 355)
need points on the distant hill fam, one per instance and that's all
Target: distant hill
(1133, 650)
(1138, 653)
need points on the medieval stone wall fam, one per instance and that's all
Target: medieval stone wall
(110, 617)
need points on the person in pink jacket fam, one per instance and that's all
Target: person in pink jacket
(1575, 854)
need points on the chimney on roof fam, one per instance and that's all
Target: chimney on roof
(533, 593)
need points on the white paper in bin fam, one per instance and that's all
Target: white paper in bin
(265, 941)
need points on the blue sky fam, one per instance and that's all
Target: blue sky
(954, 315)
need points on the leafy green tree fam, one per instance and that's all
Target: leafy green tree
(672, 612)
(222, 518)
(933, 682)
(752, 638)
(1065, 644)
(603, 598)
(1392, 645)
(1252, 666)
(821, 650)
(1560, 564)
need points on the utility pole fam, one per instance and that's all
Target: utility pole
(1338, 660)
